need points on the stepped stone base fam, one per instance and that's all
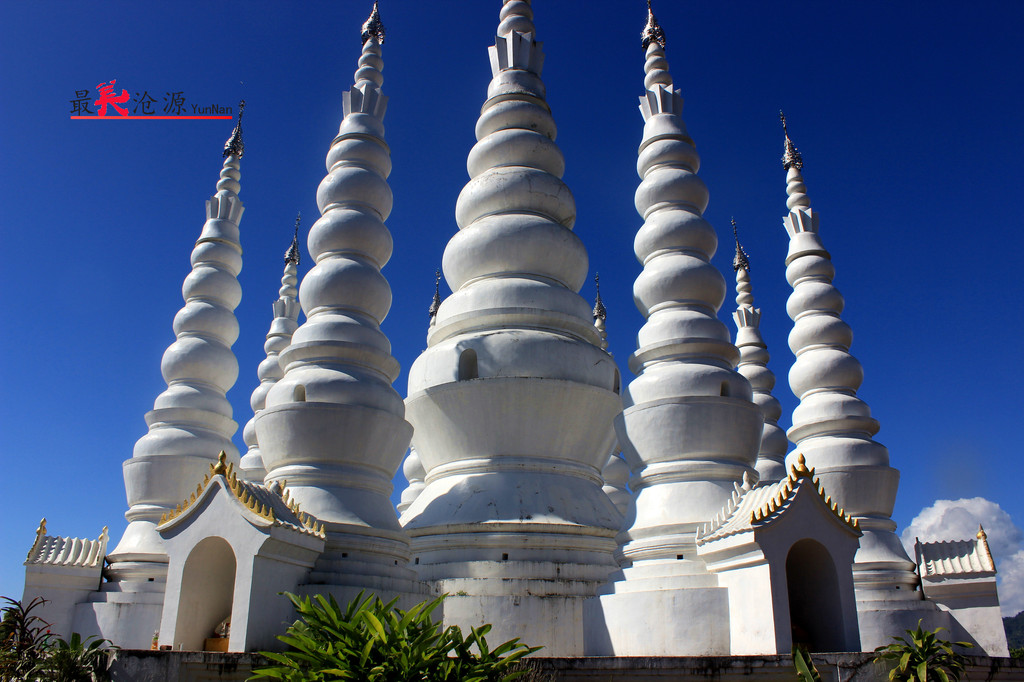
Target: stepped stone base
(196, 666)
(129, 618)
(651, 623)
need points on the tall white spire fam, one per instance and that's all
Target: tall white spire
(689, 428)
(286, 316)
(333, 426)
(689, 431)
(753, 365)
(190, 423)
(513, 400)
(832, 427)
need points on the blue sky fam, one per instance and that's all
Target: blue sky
(907, 115)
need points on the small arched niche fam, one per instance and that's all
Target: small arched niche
(815, 611)
(467, 365)
(207, 590)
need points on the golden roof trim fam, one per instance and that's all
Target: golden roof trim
(247, 495)
(787, 488)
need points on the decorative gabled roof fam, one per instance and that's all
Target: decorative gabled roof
(270, 505)
(751, 508)
(52, 550)
(957, 558)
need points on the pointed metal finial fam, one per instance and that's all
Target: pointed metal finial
(792, 158)
(292, 254)
(435, 305)
(373, 27)
(234, 144)
(740, 260)
(985, 549)
(599, 310)
(653, 33)
(220, 468)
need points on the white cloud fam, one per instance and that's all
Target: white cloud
(1011, 583)
(959, 520)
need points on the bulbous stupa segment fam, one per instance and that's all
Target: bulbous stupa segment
(286, 316)
(333, 426)
(832, 427)
(514, 396)
(190, 423)
(515, 262)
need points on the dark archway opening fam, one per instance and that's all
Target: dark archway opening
(467, 365)
(815, 611)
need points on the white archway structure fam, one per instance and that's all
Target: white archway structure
(207, 592)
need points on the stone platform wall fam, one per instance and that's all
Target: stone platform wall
(198, 666)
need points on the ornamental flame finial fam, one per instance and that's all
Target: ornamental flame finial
(291, 256)
(740, 261)
(986, 551)
(435, 304)
(652, 33)
(234, 146)
(800, 468)
(792, 157)
(373, 28)
(599, 310)
(220, 468)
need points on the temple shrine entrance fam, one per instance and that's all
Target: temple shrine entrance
(207, 590)
(815, 613)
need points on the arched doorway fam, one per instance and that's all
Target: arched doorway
(815, 612)
(207, 589)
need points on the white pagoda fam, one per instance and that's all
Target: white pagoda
(714, 532)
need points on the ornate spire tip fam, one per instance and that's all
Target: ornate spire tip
(373, 27)
(652, 33)
(599, 310)
(435, 304)
(792, 157)
(234, 146)
(740, 261)
(291, 256)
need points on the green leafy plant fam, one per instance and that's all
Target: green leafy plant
(24, 639)
(373, 641)
(921, 655)
(805, 670)
(1017, 652)
(30, 653)
(77, 660)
